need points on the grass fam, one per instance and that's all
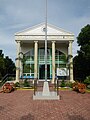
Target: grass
(88, 90)
(63, 88)
(24, 88)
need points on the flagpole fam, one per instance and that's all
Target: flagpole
(46, 41)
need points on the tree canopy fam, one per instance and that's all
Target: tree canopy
(7, 66)
(82, 60)
(84, 36)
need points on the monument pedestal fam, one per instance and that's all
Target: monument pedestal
(46, 94)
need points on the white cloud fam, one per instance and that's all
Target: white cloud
(15, 15)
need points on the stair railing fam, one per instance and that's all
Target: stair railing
(7, 78)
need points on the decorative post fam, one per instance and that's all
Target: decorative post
(53, 61)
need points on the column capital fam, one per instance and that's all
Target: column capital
(35, 41)
(70, 41)
(53, 41)
(18, 41)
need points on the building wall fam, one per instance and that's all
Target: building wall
(57, 39)
(62, 47)
(25, 47)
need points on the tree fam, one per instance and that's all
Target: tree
(84, 36)
(82, 60)
(7, 66)
(2, 64)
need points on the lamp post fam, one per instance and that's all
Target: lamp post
(46, 41)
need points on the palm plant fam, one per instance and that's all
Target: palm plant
(22, 58)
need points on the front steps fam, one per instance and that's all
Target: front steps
(45, 94)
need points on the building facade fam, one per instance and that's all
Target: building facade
(30, 59)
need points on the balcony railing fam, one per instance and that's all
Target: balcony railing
(58, 59)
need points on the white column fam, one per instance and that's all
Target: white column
(35, 58)
(18, 62)
(71, 61)
(53, 61)
(21, 64)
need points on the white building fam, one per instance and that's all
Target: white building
(31, 42)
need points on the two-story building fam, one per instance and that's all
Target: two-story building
(30, 59)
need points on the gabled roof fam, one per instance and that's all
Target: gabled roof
(39, 30)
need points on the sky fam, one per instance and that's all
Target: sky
(17, 15)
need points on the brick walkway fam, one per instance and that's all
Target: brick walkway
(19, 105)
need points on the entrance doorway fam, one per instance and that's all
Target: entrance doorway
(42, 71)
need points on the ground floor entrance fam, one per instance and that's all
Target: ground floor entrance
(30, 66)
(42, 71)
(31, 51)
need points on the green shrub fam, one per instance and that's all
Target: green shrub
(62, 83)
(68, 84)
(87, 80)
(88, 86)
(17, 84)
(26, 83)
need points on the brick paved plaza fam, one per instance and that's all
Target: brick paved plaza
(19, 105)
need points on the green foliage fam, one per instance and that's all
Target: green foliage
(82, 60)
(68, 84)
(26, 68)
(88, 86)
(23, 59)
(7, 66)
(2, 64)
(62, 83)
(2, 67)
(17, 84)
(87, 80)
(26, 83)
(79, 68)
(84, 36)
(0, 75)
(1, 55)
(63, 58)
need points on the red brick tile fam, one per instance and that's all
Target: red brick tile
(19, 105)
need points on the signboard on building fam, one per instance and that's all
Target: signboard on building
(62, 72)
